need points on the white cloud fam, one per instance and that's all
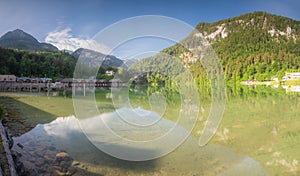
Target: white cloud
(63, 39)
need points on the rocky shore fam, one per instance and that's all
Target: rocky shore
(7, 164)
(47, 161)
(44, 160)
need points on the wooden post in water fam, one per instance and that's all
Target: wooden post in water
(73, 89)
(48, 89)
(64, 90)
(83, 89)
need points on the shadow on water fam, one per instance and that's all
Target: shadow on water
(23, 117)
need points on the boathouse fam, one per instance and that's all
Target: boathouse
(8, 78)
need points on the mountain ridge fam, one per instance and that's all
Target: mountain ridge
(18, 39)
(97, 59)
(256, 45)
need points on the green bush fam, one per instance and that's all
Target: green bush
(1, 112)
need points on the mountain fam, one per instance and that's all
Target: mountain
(256, 45)
(261, 23)
(36, 59)
(21, 40)
(96, 59)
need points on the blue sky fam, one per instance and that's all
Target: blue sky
(83, 19)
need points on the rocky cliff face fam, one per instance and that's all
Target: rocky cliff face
(277, 27)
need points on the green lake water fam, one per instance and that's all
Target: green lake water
(259, 134)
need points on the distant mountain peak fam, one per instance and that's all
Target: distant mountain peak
(96, 59)
(17, 34)
(18, 31)
(18, 39)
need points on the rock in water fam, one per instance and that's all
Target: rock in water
(62, 156)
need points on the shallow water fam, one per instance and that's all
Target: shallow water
(41, 144)
(258, 135)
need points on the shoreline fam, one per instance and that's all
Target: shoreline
(7, 144)
(269, 83)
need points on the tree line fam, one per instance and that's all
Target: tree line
(51, 64)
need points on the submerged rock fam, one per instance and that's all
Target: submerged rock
(62, 156)
(20, 145)
(59, 173)
(30, 167)
(40, 162)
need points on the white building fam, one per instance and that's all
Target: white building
(291, 76)
(110, 73)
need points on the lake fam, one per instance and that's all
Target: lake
(259, 133)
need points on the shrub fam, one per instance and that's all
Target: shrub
(1, 112)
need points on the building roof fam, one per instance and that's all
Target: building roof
(8, 75)
(101, 80)
(115, 80)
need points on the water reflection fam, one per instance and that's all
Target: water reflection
(287, 88)
(292, 88)
(41, 147)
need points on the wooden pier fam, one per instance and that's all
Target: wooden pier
(63, 86)
(14, 86)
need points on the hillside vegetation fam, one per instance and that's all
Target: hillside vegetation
(36, 63)
(252, 46)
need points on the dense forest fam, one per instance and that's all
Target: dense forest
(251, 46)
(52, 64)
(252, 52)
